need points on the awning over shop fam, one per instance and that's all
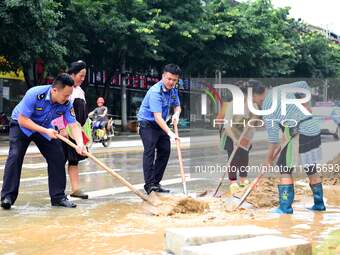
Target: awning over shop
(18, 75)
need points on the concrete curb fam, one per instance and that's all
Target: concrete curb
(177, 238)
(260, 245)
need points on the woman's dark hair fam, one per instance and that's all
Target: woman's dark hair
(242, 85)
(257, 86)
(76, 67)
(244, 90)
(62, 81)
(173, 69)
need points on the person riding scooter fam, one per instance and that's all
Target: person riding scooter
(99, 114)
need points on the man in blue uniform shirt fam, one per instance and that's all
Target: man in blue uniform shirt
(153, 129)
(31, 121)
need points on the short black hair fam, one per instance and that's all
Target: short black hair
(257, 86)
(76, 67)
(299, 95)
(62, 81)
(173, 69)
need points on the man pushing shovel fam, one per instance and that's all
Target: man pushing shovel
(153, 129)
(31, 121)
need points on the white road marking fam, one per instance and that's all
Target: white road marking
(30, 166)
(45, 177)
(112, 191)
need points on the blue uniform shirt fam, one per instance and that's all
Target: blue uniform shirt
(158, 100)
(37, 106)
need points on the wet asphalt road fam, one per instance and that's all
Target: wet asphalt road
(102, 223)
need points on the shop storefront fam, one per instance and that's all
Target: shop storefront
(12, 89)
(136, 88)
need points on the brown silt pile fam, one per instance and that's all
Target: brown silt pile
(266, 193)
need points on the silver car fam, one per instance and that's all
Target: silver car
(330, 120)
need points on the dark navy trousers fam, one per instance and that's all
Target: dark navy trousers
(156, 153)
(52, 152)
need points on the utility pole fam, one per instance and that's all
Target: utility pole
(218, 76)
(325, 91)
(123, 97)
(215, 110)
(1, 94)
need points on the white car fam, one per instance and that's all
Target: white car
(330, 120)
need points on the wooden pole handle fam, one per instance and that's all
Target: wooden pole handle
(106, 168)
(180, 159)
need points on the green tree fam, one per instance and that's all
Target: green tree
(28, 31)
(318, 57)
(116, 33)
(250, 39)
(180, 29)
(240, 39)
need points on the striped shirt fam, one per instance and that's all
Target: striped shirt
(272, 121)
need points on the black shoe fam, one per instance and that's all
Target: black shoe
(79, 194)
(150, 188)
(160, 189)
(64, 202)
(6, 203)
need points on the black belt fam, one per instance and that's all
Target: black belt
(13, 123)
(148, 124)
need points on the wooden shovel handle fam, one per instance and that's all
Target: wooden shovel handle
(231, 157)
(180, 159)
(109, 170)
(252, 186)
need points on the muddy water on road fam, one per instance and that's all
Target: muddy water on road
(114, 226)
(118, 224)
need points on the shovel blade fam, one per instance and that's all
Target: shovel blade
(168, 205)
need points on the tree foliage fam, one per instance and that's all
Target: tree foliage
(29, 31)
(239, 39)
